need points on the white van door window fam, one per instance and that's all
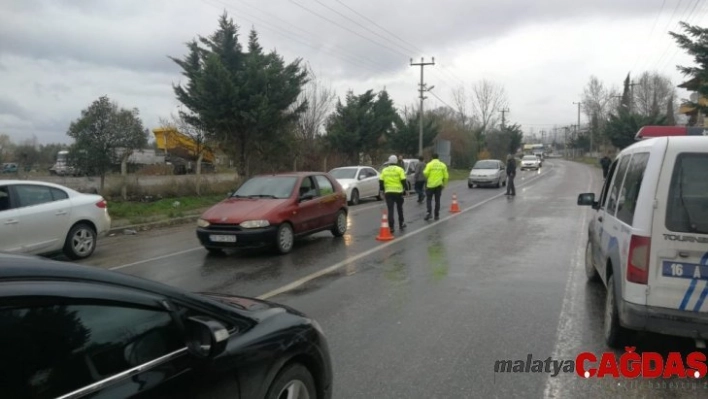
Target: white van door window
(613, 199)
(687, 207)
(630, 189)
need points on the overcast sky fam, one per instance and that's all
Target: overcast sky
(56, 57)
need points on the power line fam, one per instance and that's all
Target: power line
(351, 59)
(347, 29)
(381, 27)
(651, 32)
(357, 23)
(648, 63)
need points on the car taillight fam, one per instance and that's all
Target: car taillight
(638, 261)
(102, 204)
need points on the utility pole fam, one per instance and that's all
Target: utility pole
(422, 90)
(579, 104)
(503, 112)
(631, 95)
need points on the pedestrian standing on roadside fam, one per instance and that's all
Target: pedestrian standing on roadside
(510, 174)
(420, 179)
(605, 162)
(392, 182)
(436, 177)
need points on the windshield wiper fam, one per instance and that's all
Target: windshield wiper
(262, 196)
(691, 225)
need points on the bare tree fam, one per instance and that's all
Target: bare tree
(196, 132)
(652, 93)
(488, 98)
(319, 99)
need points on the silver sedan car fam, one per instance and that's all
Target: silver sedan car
(487, 172)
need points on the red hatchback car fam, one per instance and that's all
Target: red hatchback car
(275, 209)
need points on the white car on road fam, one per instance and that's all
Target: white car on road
(487, 172)
(42, 218)
(530, 162)
(358, 182)
(648, 237)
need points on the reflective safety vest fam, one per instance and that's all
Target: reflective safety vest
(392, 177)
(436, 174)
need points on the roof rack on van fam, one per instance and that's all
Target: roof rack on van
(648, 132)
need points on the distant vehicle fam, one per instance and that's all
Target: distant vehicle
(274, 210)
(530, 162)
(409, 168)
(62, 167)
(9, 168)
(78, 331)
(487, 172)
(44, 218)
(648, 237)
(182, 152)
(358, 182)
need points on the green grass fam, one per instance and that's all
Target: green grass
(137, 212)
(458, 174)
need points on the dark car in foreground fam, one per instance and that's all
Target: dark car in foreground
(274, 210)
(74, 331)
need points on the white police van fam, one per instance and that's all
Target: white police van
(648, 238)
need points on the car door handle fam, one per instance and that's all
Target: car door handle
(12, 221)
(60, 213)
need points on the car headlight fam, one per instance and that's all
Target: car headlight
(253, 224)
(202, 223)
(345, 186)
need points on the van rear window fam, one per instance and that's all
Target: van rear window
(687, 207)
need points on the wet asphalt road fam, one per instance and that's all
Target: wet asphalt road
(428, 314)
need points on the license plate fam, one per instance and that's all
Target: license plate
(684, 270)
(222, 238)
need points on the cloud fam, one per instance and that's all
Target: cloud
(57, 56)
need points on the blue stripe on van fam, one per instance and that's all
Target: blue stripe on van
(688, 294)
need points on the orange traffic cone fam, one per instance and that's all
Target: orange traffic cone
(454, 208)
(384, 231)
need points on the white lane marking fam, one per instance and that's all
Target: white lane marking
(567, 332)
(356, 210)
(297, 283)
(156, 258)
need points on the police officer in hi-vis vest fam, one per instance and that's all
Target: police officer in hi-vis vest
(393, 182)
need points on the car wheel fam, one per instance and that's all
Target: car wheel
(380, 197)
(284, 238)
(340, 224)
(355, 197)
(293, 382)
(470, 185)
(590, 270)
(498, 183)
(80, 242)
(615, 334)
(504, 183)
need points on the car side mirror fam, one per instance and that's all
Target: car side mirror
(206, 337)
(362, 177)
(587, 199)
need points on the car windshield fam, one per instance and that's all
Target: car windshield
(486, 165)
(530, 158)
(277, 187)
(343, 173)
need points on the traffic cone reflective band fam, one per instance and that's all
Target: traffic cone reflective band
(455, 207)
(384, 231)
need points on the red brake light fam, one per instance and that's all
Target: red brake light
(638, 260)
(102, 204)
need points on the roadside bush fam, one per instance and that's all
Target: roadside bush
(172, 188)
